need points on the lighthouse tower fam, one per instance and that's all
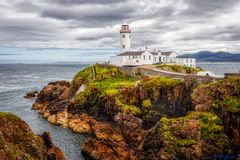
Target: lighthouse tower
(125, 38)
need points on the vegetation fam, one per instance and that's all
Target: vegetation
(211, 130)
(9, 116)
(179, 69)
(147, 103)
(231, 104)
(109, 81)
(160, 81)
(112, 91)
(21, 142)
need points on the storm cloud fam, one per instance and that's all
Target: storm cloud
(180, 25)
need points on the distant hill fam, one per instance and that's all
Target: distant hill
(207, 56)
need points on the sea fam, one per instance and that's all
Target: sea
(18, 79)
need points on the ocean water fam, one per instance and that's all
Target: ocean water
(18, 79)
(219, 68)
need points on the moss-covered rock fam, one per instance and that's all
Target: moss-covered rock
(191, 137)
(17, 141)
(231, 104)
(113, 91)
(222, 98)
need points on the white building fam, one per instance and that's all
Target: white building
(134, 58)
(189, 62)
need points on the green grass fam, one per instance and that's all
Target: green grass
(112, 83)
(160, 81)
(179, 69)
(85, 73)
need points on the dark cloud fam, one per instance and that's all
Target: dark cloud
(90, 15)
(167, 24)
(79, 2)
(198, 8)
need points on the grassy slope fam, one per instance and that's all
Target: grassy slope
(179, 69)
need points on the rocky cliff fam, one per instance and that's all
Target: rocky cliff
(223, 99)
(17, 141)
(138, 117)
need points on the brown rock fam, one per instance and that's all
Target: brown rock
(17, 141)
(81, 123)
(53, 151)
(104, 131)
(31, 94)
(131, 128)
(98, 150)
(52, 119)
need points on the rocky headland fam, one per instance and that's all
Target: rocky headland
(17, 141)
(139, 117)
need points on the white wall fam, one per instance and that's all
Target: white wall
(125, 42)
(147, 58)
(190, 62)
(116, 60)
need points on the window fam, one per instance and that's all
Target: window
(159, 59)
(123, 36)
(144, 57)
(155, 59)
(123, 46)
(149, 57)
(190, 60)
(186, 60)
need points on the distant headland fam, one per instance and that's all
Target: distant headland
(208, 56)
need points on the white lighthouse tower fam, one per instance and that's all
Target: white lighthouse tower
(125, 38)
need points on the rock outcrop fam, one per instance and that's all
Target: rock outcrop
(195, 136)
(17, 141)
(222, 98)
(31, 94)
(143, 117)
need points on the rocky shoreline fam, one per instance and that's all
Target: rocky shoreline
(17, 141)
(143, 117)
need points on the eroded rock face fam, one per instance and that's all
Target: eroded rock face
(17, 141)
(81, 123)
(53, 98)
(207, 98)
(99, 149)
(190, 137)
(131, 128)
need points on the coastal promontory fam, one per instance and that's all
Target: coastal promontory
(129, 115)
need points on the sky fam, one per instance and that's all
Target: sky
(179, 25)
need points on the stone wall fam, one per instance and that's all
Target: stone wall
(132, 71)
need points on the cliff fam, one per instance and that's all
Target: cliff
(139, 117)
(223, 99)
(17, 141)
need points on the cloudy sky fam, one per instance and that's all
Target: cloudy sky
(180, 25)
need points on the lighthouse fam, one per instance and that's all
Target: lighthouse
(125, 38)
